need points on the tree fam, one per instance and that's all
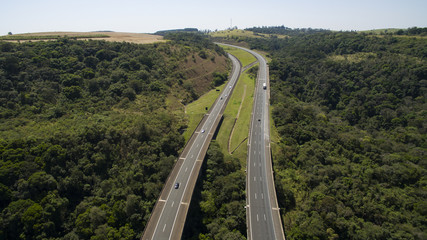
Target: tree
(73, 92)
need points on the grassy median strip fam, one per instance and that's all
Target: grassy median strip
(244, 57)
(228, 138)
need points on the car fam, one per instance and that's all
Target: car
(176, 185)
(230, 86)
(203, 130)
(221, 98)
(259, 119)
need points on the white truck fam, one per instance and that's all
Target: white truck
(264, 86)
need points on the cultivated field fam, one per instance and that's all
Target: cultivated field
(141, 38)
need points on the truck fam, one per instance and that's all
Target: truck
(264, 86)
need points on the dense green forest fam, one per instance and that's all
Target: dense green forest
(217, 208)
(351, 112)
(89, 131)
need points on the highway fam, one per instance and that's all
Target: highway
(169, 214)
(263, 215)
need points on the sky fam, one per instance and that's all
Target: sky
(142, 16)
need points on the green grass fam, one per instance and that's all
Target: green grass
(244, 57)
(197, 109)
(241, 128)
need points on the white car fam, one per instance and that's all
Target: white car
(203, 130)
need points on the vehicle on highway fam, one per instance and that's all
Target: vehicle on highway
(177, 185)
(264, 86)
(259, 119)
(203, 130)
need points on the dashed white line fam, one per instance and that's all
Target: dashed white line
(186, 169)
(262, 195)
(254, 179)
(264, 218)
(172, 203)
(256, 196)
(257, 218)
(164, 227)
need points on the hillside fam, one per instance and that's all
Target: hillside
(90, 129)
(350, 109)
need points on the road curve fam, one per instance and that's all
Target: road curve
(168, 216)
(262, 211)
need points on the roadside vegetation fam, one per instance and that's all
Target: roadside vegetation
(350, 111)
(197, 109)
(88, 133)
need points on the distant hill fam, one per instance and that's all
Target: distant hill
(286, 30)
(164, 32)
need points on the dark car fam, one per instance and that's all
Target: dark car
(176, 185)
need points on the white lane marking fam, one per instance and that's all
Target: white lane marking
(186, 169)
(265, 218)
(262, 195)
(257, 218)
(197, 145)
(256, 196)
(192, 156)
(260, 179)
(254, 164)
(255, 142)
(164, 227)
(173, 202)
(254, 152)
(259, 164)
(254, 179)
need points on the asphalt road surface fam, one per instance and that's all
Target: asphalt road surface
(169, 214)
(263, 215)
